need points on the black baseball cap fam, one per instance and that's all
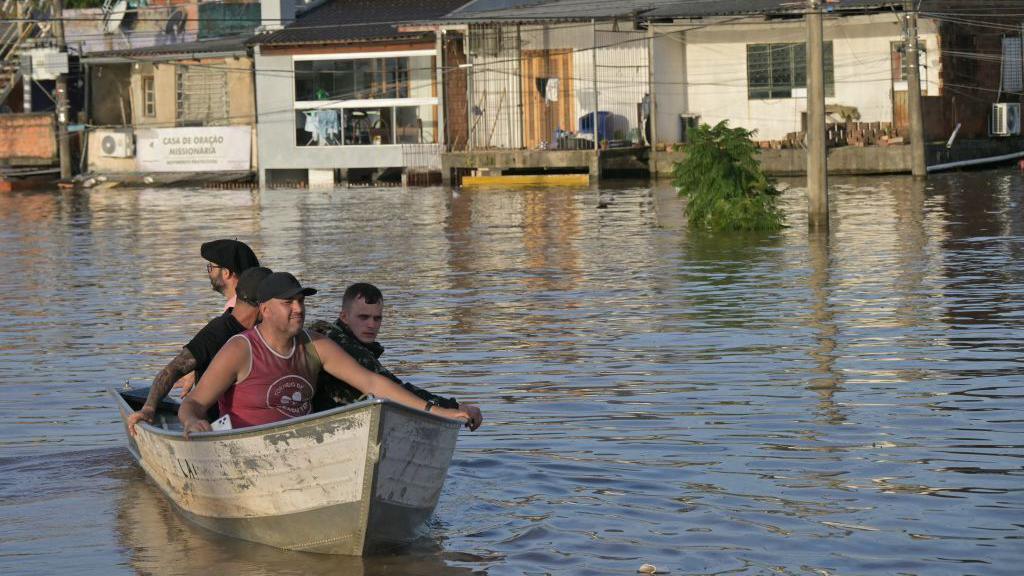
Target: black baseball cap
(249, 284)
(281, 285)
(231, 254)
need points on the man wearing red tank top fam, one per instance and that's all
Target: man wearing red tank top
(261, 375)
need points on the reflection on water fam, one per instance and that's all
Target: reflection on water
(845, 402)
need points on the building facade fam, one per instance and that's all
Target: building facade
(343, 97)
(186, 107)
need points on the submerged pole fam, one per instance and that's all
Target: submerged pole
(917, 161)
(817, 168)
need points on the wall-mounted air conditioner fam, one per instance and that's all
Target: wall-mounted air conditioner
(1006, 119)
(117, 144)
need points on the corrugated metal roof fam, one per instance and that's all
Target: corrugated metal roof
(340, 21)
(228, 44)
(534, 10)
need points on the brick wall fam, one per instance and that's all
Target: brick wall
(971, 84)
(28, 139)
(456, 114)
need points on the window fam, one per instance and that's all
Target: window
(334, 101)
(202, 96)
(371, 78)
(1012, 59)
(149, 96)
(774, 70)
(369, 126)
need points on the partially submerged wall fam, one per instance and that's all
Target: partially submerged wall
(28, 139)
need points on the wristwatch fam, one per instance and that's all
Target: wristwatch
(430, 404)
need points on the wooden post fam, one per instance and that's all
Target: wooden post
(63, 143)
(917, 167)
(817, 168)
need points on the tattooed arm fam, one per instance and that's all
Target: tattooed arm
(182, 364)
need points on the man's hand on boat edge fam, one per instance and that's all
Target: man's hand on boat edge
(476, 418)
(145, 414)
(195, 425)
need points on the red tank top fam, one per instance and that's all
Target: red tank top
(277, 387)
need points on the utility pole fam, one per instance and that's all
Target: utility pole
(917, 162)
(593, 62)
(817, 167)
(652, 113)
(64, 145)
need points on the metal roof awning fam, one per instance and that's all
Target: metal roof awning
(229, 47)
(512, 11)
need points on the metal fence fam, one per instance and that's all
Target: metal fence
(556, 87)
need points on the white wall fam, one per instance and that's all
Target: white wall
(715, 60)
(670, 82)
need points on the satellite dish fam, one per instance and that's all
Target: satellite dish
(112, 18)
(108, 145)
(175, 23)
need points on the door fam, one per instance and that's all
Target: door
(547, 95)
(900, 106)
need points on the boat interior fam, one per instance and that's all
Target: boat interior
(166, 412)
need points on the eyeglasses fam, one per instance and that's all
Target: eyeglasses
(210, 267)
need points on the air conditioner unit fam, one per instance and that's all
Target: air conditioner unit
(1006, 119)
(118, 144)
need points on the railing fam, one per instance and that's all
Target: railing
(24, 22)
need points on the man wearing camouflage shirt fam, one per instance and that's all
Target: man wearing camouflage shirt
(355, 330)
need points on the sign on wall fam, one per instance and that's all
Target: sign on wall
(199, 149)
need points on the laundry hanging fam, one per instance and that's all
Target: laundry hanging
(548, 88)
(551, 90)
(323, 126)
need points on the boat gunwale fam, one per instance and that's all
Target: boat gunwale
(281, 424)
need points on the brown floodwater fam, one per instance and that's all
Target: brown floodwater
(848, 403)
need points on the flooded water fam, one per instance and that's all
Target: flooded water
(782, 404)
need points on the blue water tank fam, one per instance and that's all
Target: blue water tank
(603, 120)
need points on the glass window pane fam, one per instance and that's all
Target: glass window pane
(368, 126)
(305, 81)
(782, 63)
(319, 127)
(343, 79)
(800, 66)
(758, 70)
(362, 79)
(416, 124)
(420, 73)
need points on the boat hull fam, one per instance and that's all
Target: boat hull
(352, 480)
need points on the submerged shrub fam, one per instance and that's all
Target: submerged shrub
(723, 182)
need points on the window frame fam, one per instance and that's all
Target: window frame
(390, 80)
(789, 75)
(149, 96)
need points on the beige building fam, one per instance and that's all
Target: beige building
(168, 92)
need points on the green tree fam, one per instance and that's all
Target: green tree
(723, 182)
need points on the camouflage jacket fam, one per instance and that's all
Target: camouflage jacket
(332, 392)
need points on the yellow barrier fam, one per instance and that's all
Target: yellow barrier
(527, 180)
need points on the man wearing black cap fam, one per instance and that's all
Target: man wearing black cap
(226, 260)
(267, 373)
(199, 352)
